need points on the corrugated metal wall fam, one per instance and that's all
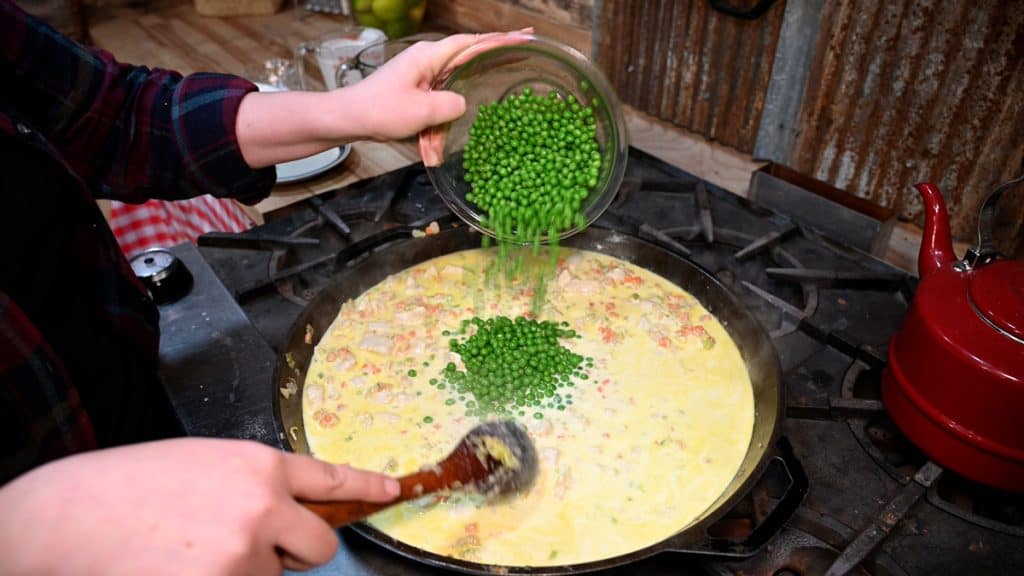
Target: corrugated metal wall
(685, 63)
(904, 91)
(896, 91)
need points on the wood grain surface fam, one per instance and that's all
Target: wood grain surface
(173, 35)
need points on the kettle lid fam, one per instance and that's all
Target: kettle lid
(997, 293)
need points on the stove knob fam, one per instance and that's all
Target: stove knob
(163, 274)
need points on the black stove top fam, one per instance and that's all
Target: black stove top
(873, 505)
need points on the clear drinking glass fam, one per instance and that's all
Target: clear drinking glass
(279, 73)
(376, 55)
(331, 52)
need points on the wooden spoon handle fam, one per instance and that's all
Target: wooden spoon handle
(413, 486)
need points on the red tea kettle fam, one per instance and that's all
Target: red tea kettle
(954, 383)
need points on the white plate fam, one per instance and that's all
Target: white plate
(310, 166)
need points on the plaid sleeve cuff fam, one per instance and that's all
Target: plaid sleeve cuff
(204, 109)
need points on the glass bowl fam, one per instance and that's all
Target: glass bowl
(488, 74)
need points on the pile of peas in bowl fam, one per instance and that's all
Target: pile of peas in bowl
(531, 161)
(541, 150)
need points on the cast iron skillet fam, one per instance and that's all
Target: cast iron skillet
(403, 252)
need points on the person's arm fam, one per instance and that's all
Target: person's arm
(131, 132)
(185, 506)
(392, 103)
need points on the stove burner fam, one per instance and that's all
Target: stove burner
(808, 547)
(968, 500)
(764, 242)
(653, 210)
(888, 447)
(860, 393)
(791, 553)
(978, 504)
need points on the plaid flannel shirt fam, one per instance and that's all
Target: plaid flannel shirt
(78, 335)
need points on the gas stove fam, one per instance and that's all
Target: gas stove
(845, 492)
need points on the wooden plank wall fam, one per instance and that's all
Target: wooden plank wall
(904, 91)
(897, 91)
(681, 61)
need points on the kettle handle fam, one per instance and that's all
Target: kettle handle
(985, 251)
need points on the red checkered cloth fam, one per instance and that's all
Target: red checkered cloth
(160, 224)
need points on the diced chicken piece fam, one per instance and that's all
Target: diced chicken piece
(358, 382)
(401, 399)
(378, 343)
(333, 393)
(379, 326)
(365, 419)
(388, 418)
(564, 278)
(452, 272)
(585, 287)
(550, 456)
(381, 393)
(412, 316)
(617, 275)
(315, 396)
(341, 359)
(651, 306)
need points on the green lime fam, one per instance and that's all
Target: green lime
(362, 5)
(369, 20)
(398, 28)
(416, 12)
(389, 9)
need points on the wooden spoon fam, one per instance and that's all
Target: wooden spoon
(494, 459)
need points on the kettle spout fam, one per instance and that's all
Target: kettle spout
(936, 244)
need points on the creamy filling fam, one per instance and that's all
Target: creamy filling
(645, 444)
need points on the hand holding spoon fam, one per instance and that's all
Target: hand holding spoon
(494, 459)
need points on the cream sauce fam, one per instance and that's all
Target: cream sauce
(650, 440)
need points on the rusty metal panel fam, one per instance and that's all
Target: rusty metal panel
(683, 62)
(901, 91)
